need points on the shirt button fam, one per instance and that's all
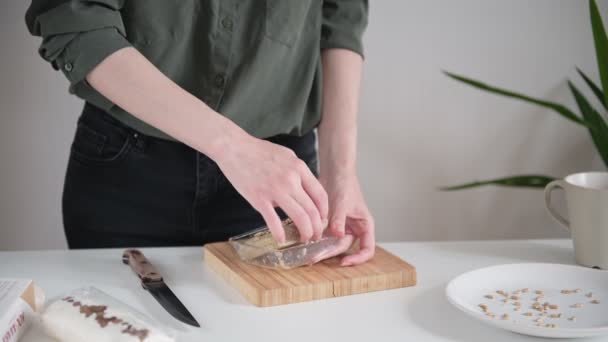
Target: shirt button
(220, 80)
(227, 23)
(68, 67)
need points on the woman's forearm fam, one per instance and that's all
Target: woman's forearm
(265, 174)
(338, 127)
(129, 80)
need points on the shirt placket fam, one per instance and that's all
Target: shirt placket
(221, 53)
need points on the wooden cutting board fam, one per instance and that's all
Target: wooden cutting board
(268, 287)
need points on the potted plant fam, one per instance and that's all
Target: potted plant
(590, 118)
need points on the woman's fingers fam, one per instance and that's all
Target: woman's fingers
(367, 244)
(337, 221)
(342, 246)
(311, 197)
(298, 215)
(311, 210)
(273, 222)
(315, 190)
(298, 204)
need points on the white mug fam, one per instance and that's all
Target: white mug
(587, 203)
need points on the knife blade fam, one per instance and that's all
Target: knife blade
(153, 282)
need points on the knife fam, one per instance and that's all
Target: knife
(153, 282)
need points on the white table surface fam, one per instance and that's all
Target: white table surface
(419, 313)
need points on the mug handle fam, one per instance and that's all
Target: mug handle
(556, 184)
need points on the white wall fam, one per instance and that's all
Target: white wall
(419, 130)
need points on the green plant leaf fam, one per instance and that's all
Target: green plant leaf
(601, 46)
(526, 181)
(562, 110)
(596, 90)
(597, 125)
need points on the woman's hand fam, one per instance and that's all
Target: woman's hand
(349, 218)
(268, 175)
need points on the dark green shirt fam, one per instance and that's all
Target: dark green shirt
(255, 61)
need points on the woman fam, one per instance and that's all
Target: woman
(200, 115)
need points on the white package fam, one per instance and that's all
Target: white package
(88, 314)
(19, 301)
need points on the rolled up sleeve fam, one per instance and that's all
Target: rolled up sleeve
(76, 37)
(344, 22)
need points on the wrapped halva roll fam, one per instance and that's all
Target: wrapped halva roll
(91, 315)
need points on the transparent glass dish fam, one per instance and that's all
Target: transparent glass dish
(259, 248)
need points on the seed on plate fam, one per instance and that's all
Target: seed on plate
(515, 297)
(539, 298)
(489, 296)
(566, 291)
(556, 315)
(502, 293)
(578, 291)
(491, 315)
(595, 301)
(483, 307)
(577, 305)
(517, 292)
(550, 325)
(504, 317)
(539, 292)
(573, 318)
(517, 308)
(539, 320)
(526, 290)
(589, 295)
(553, 306)
(517, 303)
(527, 314)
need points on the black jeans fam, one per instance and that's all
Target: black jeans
(126, 189)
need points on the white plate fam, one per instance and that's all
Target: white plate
(467, 291)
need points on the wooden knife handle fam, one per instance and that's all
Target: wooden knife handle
(141, 266)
